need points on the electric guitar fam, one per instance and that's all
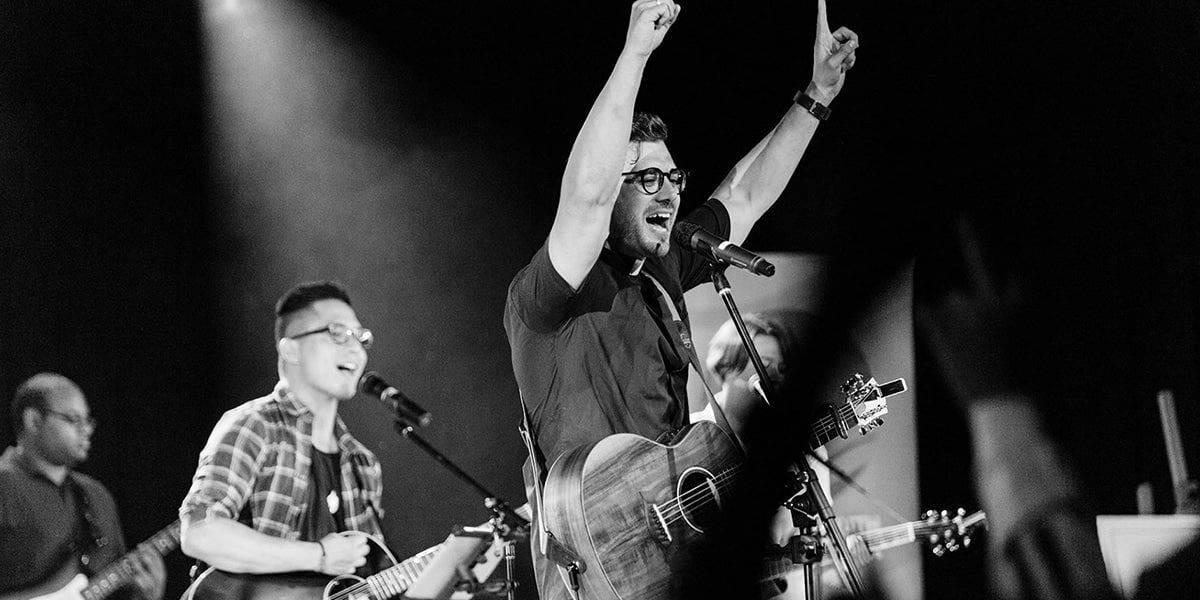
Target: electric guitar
(67, 580)
(938, 530)
(435, 568)
(632, 508)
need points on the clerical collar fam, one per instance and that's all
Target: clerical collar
(635, 264)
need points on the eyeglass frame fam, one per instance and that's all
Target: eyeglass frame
(73, 420)
(680, 181)
(363, 335)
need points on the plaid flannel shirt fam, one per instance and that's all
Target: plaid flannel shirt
(261, 453)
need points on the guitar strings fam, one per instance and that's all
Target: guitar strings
(688, 500)
(700, 495)
(404, 574)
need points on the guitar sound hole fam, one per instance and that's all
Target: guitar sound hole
(699, 498)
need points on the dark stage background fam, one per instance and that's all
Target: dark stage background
(168, 169)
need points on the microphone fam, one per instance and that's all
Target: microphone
(695, 238)
(404, 408)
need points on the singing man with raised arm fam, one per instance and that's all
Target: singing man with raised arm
(595, 352)
(281, 476)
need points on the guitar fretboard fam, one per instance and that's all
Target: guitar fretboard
(890, 537)
(395, 580)
(826, 428)
(116, 575)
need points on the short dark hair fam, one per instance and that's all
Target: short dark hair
(303, 296)
(726, 354)
(36, 393)
(647, 127)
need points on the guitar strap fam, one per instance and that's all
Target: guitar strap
(89, 538)
(685, 340)
(534, 473)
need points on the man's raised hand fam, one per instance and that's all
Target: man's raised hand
(833, 55)
(649, 21)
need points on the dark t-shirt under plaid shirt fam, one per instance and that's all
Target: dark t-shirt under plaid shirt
(260, 456)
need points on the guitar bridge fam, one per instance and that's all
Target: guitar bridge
(660, 522)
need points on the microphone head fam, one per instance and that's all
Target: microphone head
(372, 384)
(682, 234)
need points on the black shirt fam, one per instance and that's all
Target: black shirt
(325, 513)
(604, 359)
(43, 525)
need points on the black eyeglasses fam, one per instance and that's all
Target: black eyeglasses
(76, 421)
(342, 334)
(651, 179)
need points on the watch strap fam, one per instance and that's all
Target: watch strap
(815, 108)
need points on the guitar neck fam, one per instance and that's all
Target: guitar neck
(117, 574)
(912, 531)
(394, 580)
(890, 536)
(826, 429)
(779, 562)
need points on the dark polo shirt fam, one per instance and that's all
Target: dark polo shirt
(42, 524)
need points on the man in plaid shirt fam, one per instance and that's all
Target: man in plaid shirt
(280, 476)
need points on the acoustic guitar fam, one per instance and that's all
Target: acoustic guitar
(467, 546)
(632, 509)
(938, 530)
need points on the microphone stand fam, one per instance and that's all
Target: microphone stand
(721, 283)
(805, 476)
(810, 504)
(509, 525)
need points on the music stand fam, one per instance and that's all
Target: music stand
(1131, 544)
(451, 564)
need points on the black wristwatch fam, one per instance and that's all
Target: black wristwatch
(817, 109)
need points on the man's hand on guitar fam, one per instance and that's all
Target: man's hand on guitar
(149, 575)
(343, 553)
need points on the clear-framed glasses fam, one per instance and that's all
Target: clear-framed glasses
(342, 334)
(651, 179)
(76, 421)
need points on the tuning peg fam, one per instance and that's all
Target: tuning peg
(938, 550)
(966, 541)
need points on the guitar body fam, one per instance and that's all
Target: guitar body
(632, 508)
(215, 584)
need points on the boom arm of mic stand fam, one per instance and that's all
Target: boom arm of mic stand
(508, 517)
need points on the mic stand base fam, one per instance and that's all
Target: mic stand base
(818, 503)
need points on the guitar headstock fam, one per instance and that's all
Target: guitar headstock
(862, 394)
(944, 533)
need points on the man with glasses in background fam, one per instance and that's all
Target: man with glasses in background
(595, 348)
(281, 476)
(59, 526)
